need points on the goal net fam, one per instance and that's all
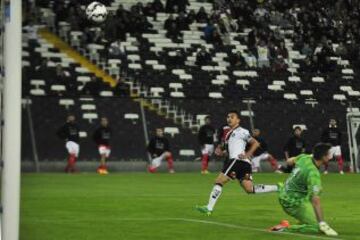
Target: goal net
(353, 127)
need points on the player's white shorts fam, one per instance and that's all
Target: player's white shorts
(256, 160)
(104, 150)
(73, 148)
(156, 161)
(207, 149)
(335, 151)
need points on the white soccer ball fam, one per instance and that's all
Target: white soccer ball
(96, 12)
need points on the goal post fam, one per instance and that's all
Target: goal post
(353, 129)
(11, 116)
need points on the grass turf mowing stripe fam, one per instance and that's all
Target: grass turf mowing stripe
(194, 221)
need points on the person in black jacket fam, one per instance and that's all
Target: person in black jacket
(294, 147)
(262, 153)
(159, 149)
(206, 140)
(70, 133)
(332, 135)
(102, 136)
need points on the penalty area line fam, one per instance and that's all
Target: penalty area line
(222, 224)
(251, 228)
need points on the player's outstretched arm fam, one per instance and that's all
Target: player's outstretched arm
(291, 161)
(323, 226)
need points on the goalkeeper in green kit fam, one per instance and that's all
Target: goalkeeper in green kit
(300, 195)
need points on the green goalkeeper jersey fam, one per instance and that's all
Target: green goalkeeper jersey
(303, 183)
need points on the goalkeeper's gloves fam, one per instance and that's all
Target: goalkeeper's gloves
(325, 228)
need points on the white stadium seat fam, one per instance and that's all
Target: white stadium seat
(177, 94)
(106, 94)
(131, 116)
(187, 152)
(88, 107)
(216, 95)
(290, 96)
(66, 103)
(339, 97)
(171, 131)
(90, 116)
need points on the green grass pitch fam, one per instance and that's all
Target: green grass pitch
(161, 206)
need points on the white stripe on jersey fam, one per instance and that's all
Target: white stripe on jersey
(236, 141)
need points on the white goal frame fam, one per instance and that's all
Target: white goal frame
(353, 126)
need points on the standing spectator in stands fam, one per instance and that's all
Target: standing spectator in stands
(237, 60)
(262, 153)
(209, 32)
(191, 17)
(341, 50)
(327, 66)
(70, 133)
(176, 60)
(158, 6)
(279, 65)
(173, 32)
(102, 136)
(250, 59)
(93, 87)
(182, 22)
(176, 5)
(169, 22)
(159, 149)
(203, 57)
(282, 50)
(150, 11)
(121, 89)
(332, 135)
(294, 147)
(263, 55)
(306, 49)
(206, 139)
(42, 71)
(60, 74)
(202, 16)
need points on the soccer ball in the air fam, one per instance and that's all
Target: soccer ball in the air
(96, 12)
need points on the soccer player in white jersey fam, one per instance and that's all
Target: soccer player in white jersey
(237, 165)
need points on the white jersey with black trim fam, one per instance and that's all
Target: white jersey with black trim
(236, 141)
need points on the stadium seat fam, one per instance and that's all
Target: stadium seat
(88, 107)
(66, 103)
(187, 153)
(185, 77)
(354, 93)
(318, 80)
(131, 116)
(90, 116)
(177, 94)
(37, 83)
(83, 79)
(83, 134)
(346, 88)
(176, 86)
(275, 87)
(156, 91)
(306, 93)
(216, 95)
(106, 94)
(347, 71)
(171, 131)
(243, 82)
(58, 88)
(339, 97)
(290, 96)
(218, 82)
(247, 113)
(294, 79)
(302, 126)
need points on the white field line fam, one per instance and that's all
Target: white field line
(189, 220)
